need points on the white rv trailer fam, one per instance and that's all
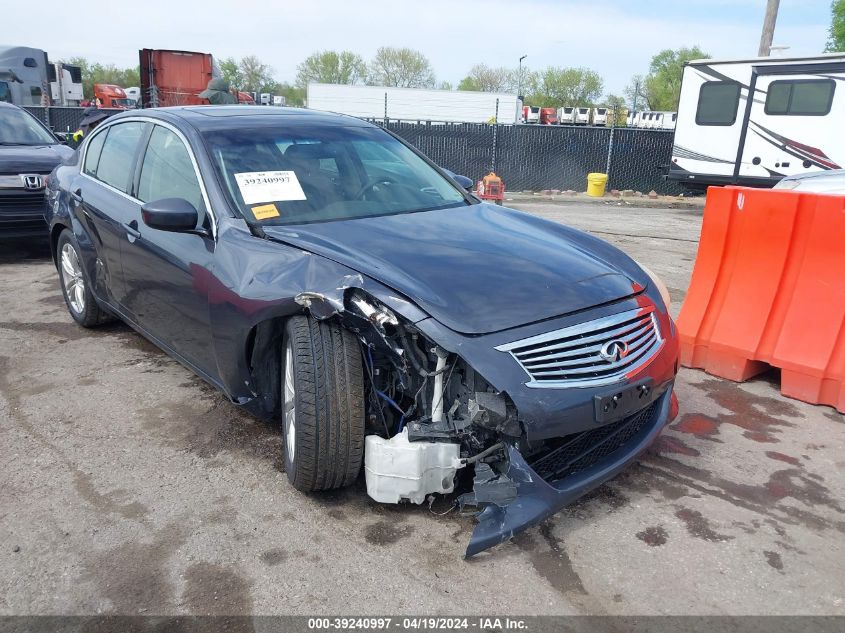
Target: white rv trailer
(413, 104)
(599, 116)
(754, 121)
(582, 116)
(566, 115)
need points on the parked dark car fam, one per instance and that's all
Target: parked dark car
(321, 272)
(28, 153)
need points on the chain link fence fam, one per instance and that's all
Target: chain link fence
(61, 119)
(538, 157)
(527, 157)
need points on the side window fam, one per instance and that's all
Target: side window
(718, 102)
(117, 156)
(167, 171)
(5, 93)
(92, 154)
(35, 95)
(800, 97)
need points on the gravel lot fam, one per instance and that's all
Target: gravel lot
(129, 486)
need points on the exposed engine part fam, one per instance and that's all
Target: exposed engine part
(428, 412)
(437, 406)
(398, 469)
(485, 453)
(375, 313)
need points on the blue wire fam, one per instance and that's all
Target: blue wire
(386, 398)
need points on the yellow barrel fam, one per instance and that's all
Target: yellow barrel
(596, 184)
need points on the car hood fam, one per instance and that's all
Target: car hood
(477, 269)
(41, 159)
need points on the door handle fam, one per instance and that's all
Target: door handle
(132, 229)
(76, 194)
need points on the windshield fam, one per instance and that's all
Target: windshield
(18, 127)
(324, 173)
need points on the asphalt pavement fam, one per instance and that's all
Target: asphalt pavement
(130, 486)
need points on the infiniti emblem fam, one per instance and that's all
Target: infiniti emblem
(614, 350)
(32, 182)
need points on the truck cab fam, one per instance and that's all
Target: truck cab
(23, 76)
(548, 116)
(112, 96)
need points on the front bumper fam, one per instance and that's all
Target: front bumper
(537, 499)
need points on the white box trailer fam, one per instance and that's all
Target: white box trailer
(599, 116)
(754, 121)
(413, 104)
(566, 115)
(582, 116)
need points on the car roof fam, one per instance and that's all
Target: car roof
(225, 117)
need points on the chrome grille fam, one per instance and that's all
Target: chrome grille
(583, 355)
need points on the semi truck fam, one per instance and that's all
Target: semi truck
(413, 104)
(112, 96)
(170, 78)
(28, 78)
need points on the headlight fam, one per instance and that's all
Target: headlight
(658, 283)
(373, 310)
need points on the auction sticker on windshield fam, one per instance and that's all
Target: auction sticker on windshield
(269, 186)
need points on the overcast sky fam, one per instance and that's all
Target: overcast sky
(614, 37)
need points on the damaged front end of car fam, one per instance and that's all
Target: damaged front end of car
(433, 421)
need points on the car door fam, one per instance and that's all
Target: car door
(167, 274)
(102, 202)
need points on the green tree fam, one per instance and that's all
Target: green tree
(400, 67)
(483, 78)
(254, 73)
(231, 70)
(836, 39)
(662, 86)
(564, 87)
(294, 95)
(330, 67)
(635, 95)
(104, 74)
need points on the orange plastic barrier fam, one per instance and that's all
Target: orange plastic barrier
(768, 288)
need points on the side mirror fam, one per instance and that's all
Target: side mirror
(171, 214)
(464, 182)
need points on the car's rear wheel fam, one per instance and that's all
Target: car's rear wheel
(75, 288)
(322, 404)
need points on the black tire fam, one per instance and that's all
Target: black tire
(88, 314)
(328, 417)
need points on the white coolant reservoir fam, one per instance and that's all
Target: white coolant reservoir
(398, 469)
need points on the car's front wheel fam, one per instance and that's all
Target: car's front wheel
(75, 288)
(322, 404)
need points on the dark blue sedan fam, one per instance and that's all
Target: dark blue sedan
(322, 273)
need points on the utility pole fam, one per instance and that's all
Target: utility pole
(518, 89)
(768, 28)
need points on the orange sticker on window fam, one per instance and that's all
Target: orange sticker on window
(265, 211)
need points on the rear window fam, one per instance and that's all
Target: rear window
(718, 102)
(800, 97)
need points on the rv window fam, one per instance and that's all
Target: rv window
(30, 62)
(717, 103)
(800, 97)
(5, 93)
